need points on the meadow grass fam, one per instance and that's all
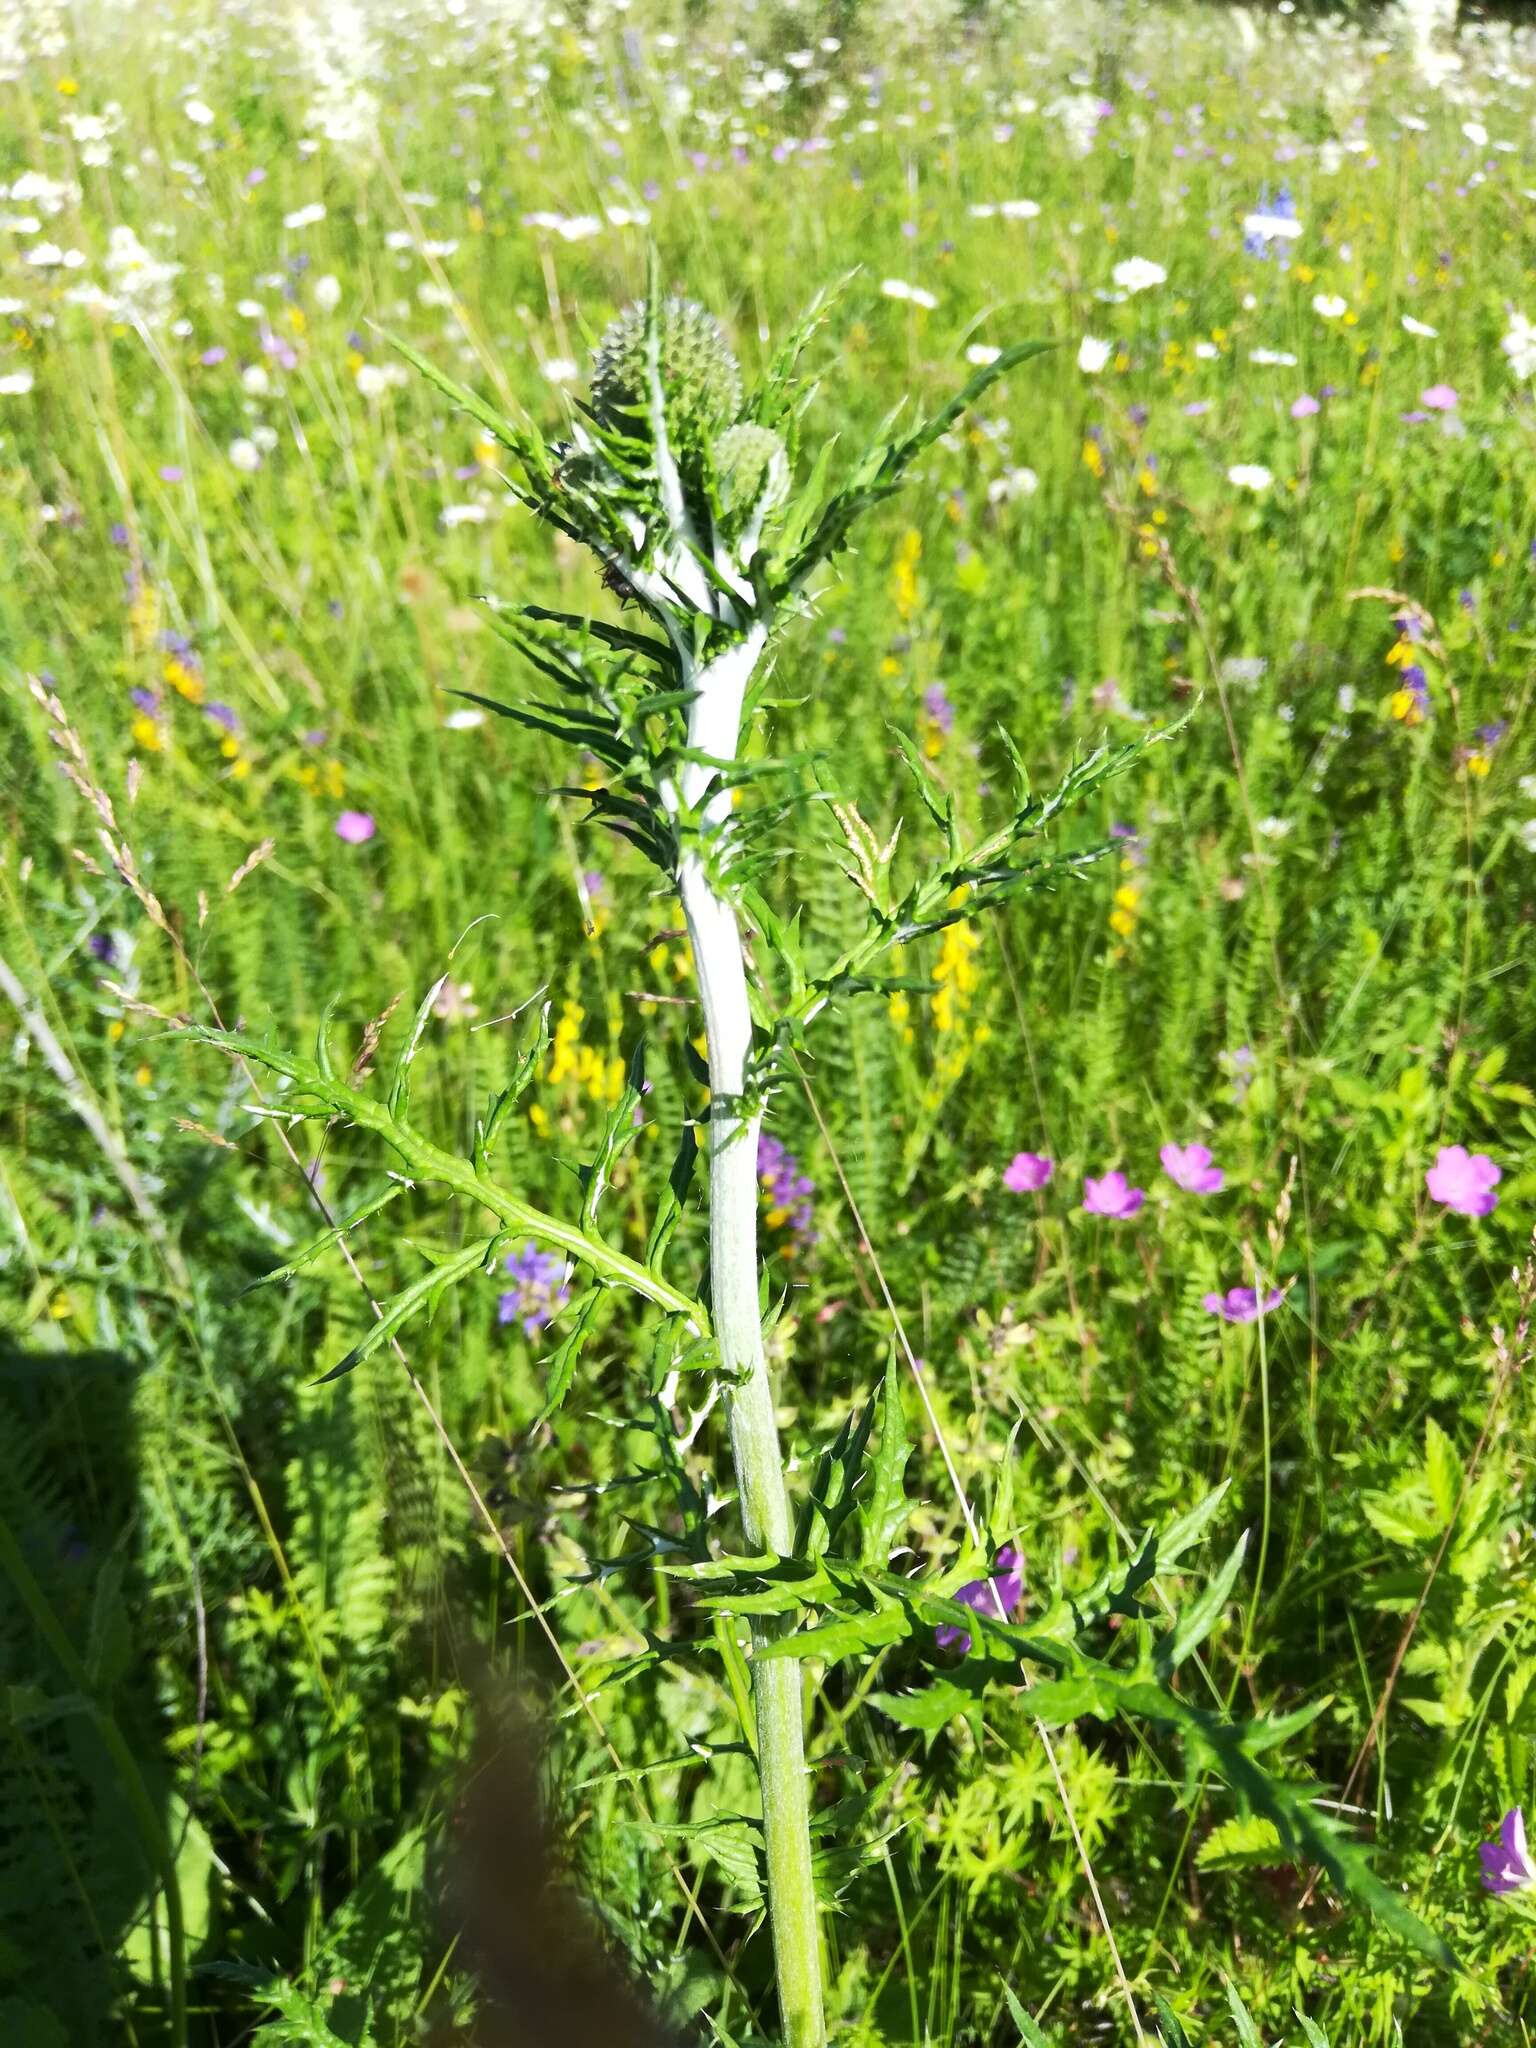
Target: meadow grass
(244, 549)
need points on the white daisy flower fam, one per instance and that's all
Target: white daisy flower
(1136, 274)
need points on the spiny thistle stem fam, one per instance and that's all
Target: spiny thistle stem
(715, 935)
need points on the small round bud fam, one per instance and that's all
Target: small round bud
(752, 464)
(700, 377)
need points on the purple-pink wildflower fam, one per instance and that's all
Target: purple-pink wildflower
(997, 1596)
(1240, 1067)
(540, 1292)
(1415, 690)
(1189, 1167)
(1111, 1195)
(1463, 1181)
(1440, 398)
(790, 1192)
(1243, 1304)
(1507, 1865)
(938, 707)
(1027, 1172)
(1302, 408)
(355, 827)
(1133, 847)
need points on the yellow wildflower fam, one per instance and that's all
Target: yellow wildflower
(904, 588)
(956, 975)
(1127, 901)
(1408, 706)
(144, 615)
(183, 678)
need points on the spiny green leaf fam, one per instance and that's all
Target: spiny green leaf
(488, 1127)
(561, 1370)
(669, 1209)
(845, 1637)
(831, 1496)
(1442, 1469)
(880, 472)
(922, 778)
(733, 1840)
(1029, 2034)
(1060, 1701)
(926, 1708)
(885, 1511)
(424, 1293)
(327, 1238)
(619, 1132)
(399, 1096)
(1277, 1728)
(1182, 1534)
(323, 1058)
(1169, 2024)
(620, 638)
(1242, 2019)
(1191, 1628)
(1246, 1841)
(496, 424)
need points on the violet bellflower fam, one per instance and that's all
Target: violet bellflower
(997, 1596)
(1507, 1865)
(790, 1193)
(540, 1291)
(938, 707)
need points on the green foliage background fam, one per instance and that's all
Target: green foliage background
(278, 1604)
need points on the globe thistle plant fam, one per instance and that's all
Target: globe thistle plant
(689, 490)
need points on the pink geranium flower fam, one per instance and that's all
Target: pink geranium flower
(1189, 1167)
(1463, 1181)
(1243, 1304)
(1440, 398)
(355, 827)
(1027, 1172)
(1111, 1195)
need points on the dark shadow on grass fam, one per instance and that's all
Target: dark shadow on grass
(82, 1793)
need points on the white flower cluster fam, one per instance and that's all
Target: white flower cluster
(1519, 344)
(339, 53)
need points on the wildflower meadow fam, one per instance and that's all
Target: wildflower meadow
(766, 1093)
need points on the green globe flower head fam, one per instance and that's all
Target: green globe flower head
(752, 464)
(700, 377)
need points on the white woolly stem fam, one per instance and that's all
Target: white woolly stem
(713, 728)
